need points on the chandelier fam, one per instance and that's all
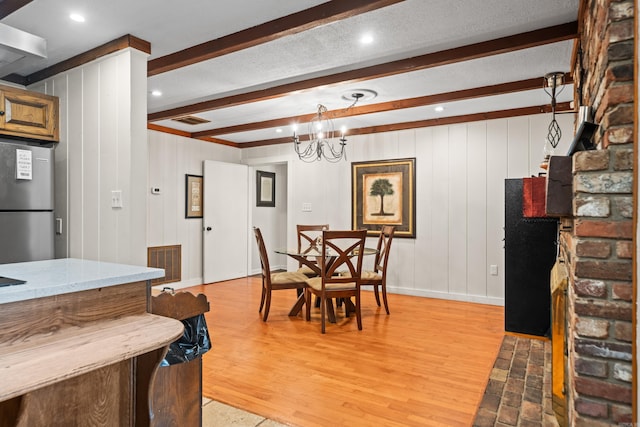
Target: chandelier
(552, 81)
(319, 142)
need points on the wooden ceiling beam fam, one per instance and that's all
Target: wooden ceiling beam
(7, 7)
(464, 53)
(498, 89)
(307, 19)
(489, 115)
(185, 134)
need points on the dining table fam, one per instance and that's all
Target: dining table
(310, 256)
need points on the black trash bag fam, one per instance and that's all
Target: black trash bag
(193, 343)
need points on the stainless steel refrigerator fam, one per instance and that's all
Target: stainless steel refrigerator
(26, 202)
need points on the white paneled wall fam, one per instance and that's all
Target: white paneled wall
(170, 158)
(102, 148)
(460, 173)
(272, 221)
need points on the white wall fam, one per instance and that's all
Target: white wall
(460, 172)
(271, 221)
(170, 158)
(103, 147)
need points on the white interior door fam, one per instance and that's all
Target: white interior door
(225, 221)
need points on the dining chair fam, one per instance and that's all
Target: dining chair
(274, 281)
(307, 237)
(378, 276)
(341, 250)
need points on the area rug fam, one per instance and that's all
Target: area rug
(519, 388)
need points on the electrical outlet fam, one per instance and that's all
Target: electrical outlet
(493, 270)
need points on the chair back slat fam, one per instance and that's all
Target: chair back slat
(262, 250)
(280, 280)
(308, 235)
(384, 248)
(342, 250)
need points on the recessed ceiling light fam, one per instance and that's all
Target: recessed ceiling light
(156, 92)
(76, 17)
(366, 39)
(439, 108)
(278, 130)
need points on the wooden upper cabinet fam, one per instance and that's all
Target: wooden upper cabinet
(28, 114)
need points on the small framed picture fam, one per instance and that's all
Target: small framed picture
(193, 196)
(265, 189)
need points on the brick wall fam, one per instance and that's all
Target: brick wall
(599, 247)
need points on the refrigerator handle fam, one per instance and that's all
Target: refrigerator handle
(59, 226)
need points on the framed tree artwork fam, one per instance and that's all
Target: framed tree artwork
(383, 193)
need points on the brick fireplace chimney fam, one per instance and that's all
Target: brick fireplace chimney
(598, 244)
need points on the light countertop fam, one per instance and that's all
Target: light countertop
(61, 276)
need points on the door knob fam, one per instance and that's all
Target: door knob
(208, 228)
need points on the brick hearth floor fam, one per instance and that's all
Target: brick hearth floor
(519, 389)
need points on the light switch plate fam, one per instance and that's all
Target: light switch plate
(116, 199)
(306, 207)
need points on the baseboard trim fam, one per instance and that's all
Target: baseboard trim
(448, 296)
(392, 290)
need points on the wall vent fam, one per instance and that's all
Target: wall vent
(169, 258)
(191, 120)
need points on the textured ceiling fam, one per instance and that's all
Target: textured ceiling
(400, 30)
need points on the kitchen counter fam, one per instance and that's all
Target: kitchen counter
(61, 276)
(77, 342)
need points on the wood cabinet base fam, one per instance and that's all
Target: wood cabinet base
(81, 359)
(177, 394)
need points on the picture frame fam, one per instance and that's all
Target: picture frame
(194, 193)
(384, 193)
(265, 189)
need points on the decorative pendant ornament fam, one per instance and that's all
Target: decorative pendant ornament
(553, 86)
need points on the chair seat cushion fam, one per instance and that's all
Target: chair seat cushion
(287, 277)
(306, 270)
(316, 283)
(370, 275)
(365, 275)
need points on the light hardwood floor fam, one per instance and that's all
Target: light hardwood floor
(426, 364)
